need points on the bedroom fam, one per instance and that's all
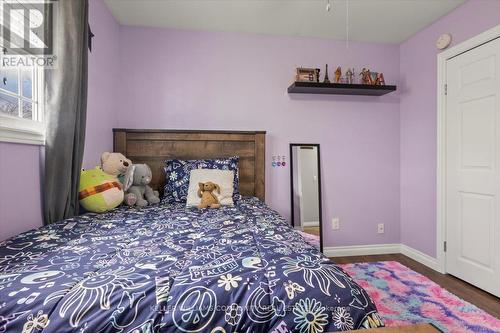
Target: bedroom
(150, 67)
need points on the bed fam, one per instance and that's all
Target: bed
(168, 268)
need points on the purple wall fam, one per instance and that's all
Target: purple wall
(22, 189)
(104, 72)
(201, 80)
(20, 203)
(418, 82)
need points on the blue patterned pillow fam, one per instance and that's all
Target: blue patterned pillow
(178, 171)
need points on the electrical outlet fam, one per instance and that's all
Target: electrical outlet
(335, 223)
(380, 228)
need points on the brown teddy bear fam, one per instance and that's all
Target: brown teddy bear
(208, 199)
(118, 165)
(115, 164)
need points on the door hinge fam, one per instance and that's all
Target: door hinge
(445, 89)
(444, 246)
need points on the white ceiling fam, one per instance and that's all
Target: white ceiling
(386, 21)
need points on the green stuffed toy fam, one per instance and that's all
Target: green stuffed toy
(98, 191)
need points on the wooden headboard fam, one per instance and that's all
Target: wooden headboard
(154, 146)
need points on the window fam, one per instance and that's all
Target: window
(21, 108)
(21, 91)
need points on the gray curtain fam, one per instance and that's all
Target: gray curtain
(65, 109)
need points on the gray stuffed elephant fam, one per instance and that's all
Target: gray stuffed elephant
(138, 177)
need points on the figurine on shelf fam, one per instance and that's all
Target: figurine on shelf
(338, 74)
(306, 75)
(349, 76)
(379, 81)
(326, 80)
(366, 76)
(317, 74)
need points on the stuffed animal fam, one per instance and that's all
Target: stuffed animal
(98, 191)
(116, 164)
(208, 199)
(141, 175)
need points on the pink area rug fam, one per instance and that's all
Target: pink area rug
(405, 297)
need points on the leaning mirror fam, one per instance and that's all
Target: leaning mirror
(305, 191)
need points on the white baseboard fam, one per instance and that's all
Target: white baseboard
(421, 257)
(310, 223)
(361, 250)
(364, 250)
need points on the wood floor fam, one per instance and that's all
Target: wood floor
(481, 299)
(312, 230)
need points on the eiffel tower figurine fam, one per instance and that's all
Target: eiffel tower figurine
(326, 80)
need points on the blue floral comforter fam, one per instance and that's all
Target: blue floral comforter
(175, 269)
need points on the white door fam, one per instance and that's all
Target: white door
(473, 166)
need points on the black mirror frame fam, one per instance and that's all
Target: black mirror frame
(319, 189)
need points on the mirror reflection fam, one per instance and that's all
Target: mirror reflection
(306, 192)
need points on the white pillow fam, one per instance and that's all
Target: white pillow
(224, 178)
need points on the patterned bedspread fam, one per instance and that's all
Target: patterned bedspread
(174, 269)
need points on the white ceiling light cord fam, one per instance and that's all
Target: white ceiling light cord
(347, 23)
(328, 7)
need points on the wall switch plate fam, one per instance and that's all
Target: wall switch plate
(335, 223)
(380, 228)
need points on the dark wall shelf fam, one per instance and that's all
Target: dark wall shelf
(339, 89)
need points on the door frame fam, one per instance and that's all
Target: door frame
(320, 200)
(299, 188)
(442, 58)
